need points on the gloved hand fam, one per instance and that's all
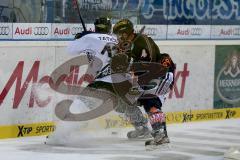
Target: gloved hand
(119, 63)
(83, 33)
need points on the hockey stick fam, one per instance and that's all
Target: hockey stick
(139, 33)
(79, 14)
(142, 30)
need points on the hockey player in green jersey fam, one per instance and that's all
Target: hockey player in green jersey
(141, 48)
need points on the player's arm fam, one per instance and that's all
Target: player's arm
(167, 81)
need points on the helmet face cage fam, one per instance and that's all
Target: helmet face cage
(123, 26)
(103, 25)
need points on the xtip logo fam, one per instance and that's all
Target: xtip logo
(230, 114)
(24, 131)
(187, 117)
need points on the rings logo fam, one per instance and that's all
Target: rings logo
(151, 31)
(4, 30)
(40, 31)
(196, 31)
(75, 30)
(228, 79)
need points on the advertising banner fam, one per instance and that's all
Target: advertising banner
(26, 130)
(188, 32)
(26, 100)
(194, 73)
(202, 115)
(227, 77)
(31, 65)
(37, 31)
(156, 32)
(25, 93)
(22, 70)
(68, 31)
(187, 12)
(65, 31)
(5, 31)
(225, 32)
(90, 27)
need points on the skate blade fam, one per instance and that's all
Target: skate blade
(140, 138)
(143, 137)
(162, 147)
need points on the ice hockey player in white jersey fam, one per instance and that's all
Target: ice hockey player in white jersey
(103, 46)
(98, 46)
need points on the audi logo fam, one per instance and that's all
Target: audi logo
(196, 31)
(4, 30)
(76, 30)
(237, 31)
(41, 31)
(151, 31)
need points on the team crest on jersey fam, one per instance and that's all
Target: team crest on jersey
(145, 56)
(144, 53)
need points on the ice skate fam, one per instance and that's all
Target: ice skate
(140, 132)
(160, 141)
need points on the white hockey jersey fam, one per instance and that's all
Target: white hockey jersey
(96, 46)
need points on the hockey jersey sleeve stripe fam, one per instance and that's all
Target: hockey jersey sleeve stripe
(164, 86)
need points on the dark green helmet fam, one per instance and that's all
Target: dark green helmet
(123, 26)
(103, 25)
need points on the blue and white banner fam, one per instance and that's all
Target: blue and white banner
(65, 31)
(188, 32)
(225, 32)
(177, 11)
(59, 31)
(31, 31)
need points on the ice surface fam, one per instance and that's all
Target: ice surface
(189, 141)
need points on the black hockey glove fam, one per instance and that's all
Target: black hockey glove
(83, 33)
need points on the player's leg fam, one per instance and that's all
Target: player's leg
(153, 107)
(139, 122)
(157, 120)
(137, 119)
